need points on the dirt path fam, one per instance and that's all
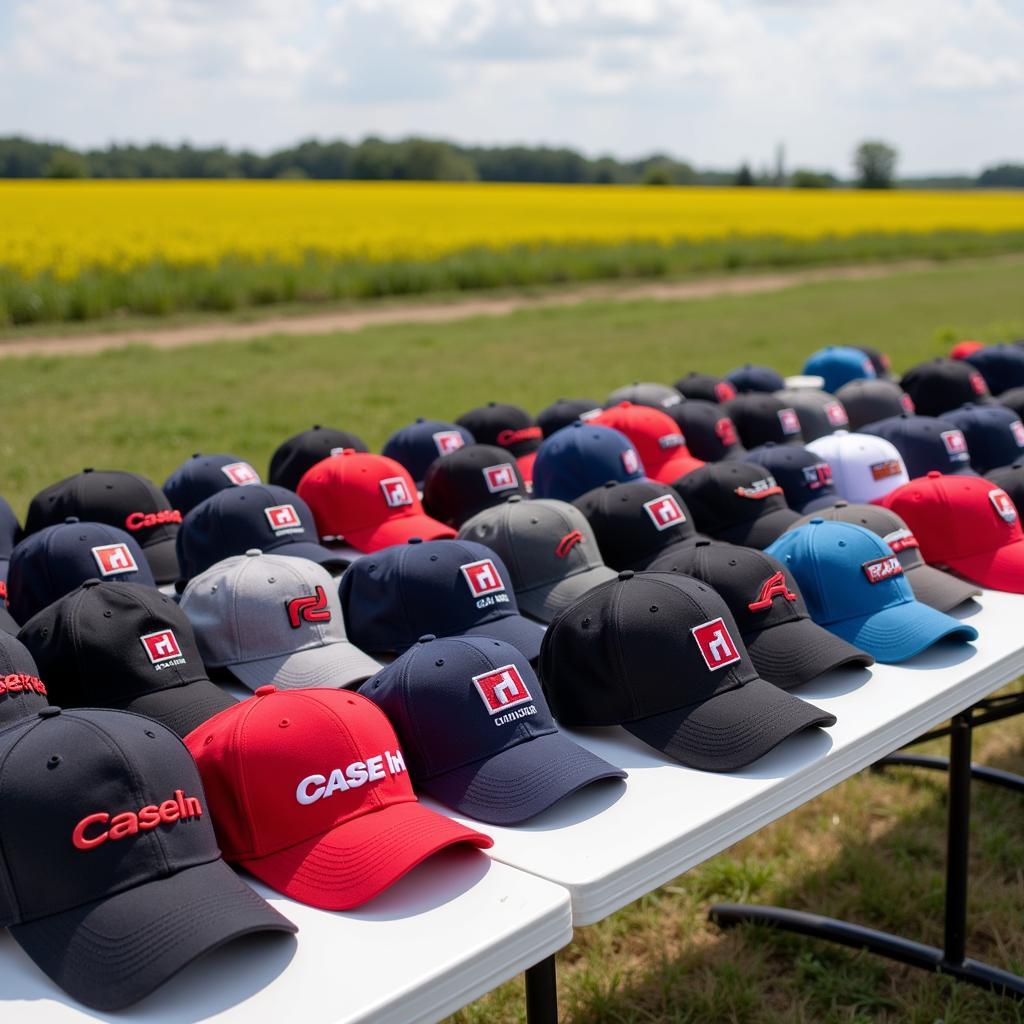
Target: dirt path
(446, 312)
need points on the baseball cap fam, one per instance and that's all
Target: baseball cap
(864, 467)
(660, 654)
(477, 732)
(564, 411)
(938, 385)
(52, 562)
(125, 500)
(548, 548)
(202, 475)
(1002, 366)
(786, 646)
(1013, 399)
(262, 516)
(110, 876)
(805, 478)
(655, 396)
(10, 534)
(761, 418)
(469, 480)
(740, 502)
(635, 522)
(705, 386)
(419, 444)
(879, 360)
(582, 456)
(962, 349)
(656, 438)
(854, 586)
(448, 588)
(508, 427)
(924, 443)
(930, 585)
(755, 378)
(967, 524)
(336, 821)
(369, 500)
(994, 434)
(838, 365)
(124, 646)
(1010, 479)
(22, 692)
(303, 451)
(868, 401)
(819, 412)
(709, 430)
(270, 619)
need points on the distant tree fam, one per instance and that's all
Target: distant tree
(802, 178)
(426, 160)
(1003, 176)
(292, 173)
(744, 176)
(875, 164)
(67, 165)
(658, 173)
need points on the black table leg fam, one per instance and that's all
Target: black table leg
(542, 993)
(979, 772)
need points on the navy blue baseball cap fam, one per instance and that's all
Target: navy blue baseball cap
(419, 444)
(580, 457)
(392, 597)
(58, 559)
(263, 516)
(994, 434)
(838, 365)
(854, 586)
(476, 731)
(1002, 366)
(805, 478)
(202, 475)
(1013, 399)
(755, 378)
(926, 443)
(10, 533)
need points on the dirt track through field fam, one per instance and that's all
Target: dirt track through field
(446, 312)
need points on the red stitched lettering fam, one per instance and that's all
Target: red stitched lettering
(143, 520)
(129, 823)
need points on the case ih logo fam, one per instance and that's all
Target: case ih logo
(818, 476)
(501, 689)
(716, 646)
(1003, 504)
(396, 491)
(630, 461)
(482, 577)
(724, 391)
(883, 568)
(773, 587)
(900, 540)
(836, 415)
(978, 385)
(908, 403)
(756, 490)
(882, 470)
(664, 512)
(240, 474)
(500, 478)
(310, 608)
(161, 647)
(114, 558)
(283, 518)
(789, 421)
(1017, 429)
(447, 441)
(954, 441)
(725, 431)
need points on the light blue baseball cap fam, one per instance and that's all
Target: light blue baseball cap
(838, 365)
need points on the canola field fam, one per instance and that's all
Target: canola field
(80, 250)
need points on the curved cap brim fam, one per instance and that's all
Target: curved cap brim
(182, 708)
(792, 653)
(332, 666)
(939, 589)
(521, 781)
(111, 953)
(308, 550)
(546, 601)
(523, 634)
(162, 556)
(1001, 569)
(352, 863)
(732, 729)
(399, 531)
(674, 468)
(762, 531)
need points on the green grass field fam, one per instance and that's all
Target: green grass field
(870, 850)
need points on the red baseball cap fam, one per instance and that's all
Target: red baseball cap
(656, 438)
(962, 349)
(370, 500)
(309, 792)
(965, 523)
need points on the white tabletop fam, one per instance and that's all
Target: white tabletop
(613, 842)
(453, 929)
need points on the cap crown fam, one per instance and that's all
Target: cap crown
(419, 444)
(303, 451)
(924, 443)
(748, 378)
(582, 456)
(1010, 479)
(942, 384)
(705, 386)
(867, 401)
(710, 432)
(506, 426)
(802, 475)
(565, 411)
(202, 475)
(654, 434)
(722, 495)
(864, 467)
(994, 434)
(22, 692)
(469, 480)
(761, 418)
(10, 529)
(647, 394)
(819, 412)
(1002, 366)
(838, 365)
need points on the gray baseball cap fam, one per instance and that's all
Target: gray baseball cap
(548, 548)
(274, 620)
(930, 585)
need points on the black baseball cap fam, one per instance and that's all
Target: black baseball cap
(446, 587)
(125, 500)
(1011, 479)
(994, 434)
(805, 478)
(508, 427)
(656, 396)
(750, 377)
(1014, 400)
(110, 875)
(469, 480)
(416, 446)
(22, 692)
(202, 475)
(761, 418)
(710, 432)
(54, 561)
(786, 646)
(819, 412)
(706, 387)
(942, 384)
(564, 411)
(879, 360)
(302, 452)
(925, 443)
(476, 731)
(10, 534)
(867, 401)
(1002, 366)
(263, 516)
(125, 646)
(740, 502)
(636, 521)
(660, 654)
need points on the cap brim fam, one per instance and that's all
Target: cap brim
(310, 551)
(1001, 569)
(111, 953)
(352, 863)
(792, 653)
(938, 589)
(522, 633)
(333, 666)
(762, 531)
(521, 781)
(545, 602)
(162, 556)
(732, 729)
(182, 708)
(673, 469)
(816, 503)
(399, 531)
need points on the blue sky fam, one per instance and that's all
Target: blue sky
(713, 81)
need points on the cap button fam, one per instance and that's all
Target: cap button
(415, 540)
(71, 519)
(253, 552)
(88, 469)
(427, 638)
(316, 426)
(512, 498)
(93, 582)
(702, 544)
(610, 483)
(263, 691)
(841, 504)
(626, 574)
(196, 455)
(578, 423)
(48, 712)
(933, 473)
(817, 521)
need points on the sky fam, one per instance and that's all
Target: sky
(716, 82)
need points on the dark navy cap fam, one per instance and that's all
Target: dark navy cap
(710, 432)
(819, 412)
(805, 478)
(1013, 399)
(22, 692)
(304, 450)
(706, 387)
(838, 365)
(879, 360)
(655, 396)
(926, 443)
(749, 377)
(994, 434)
(1002, 366)
(419, 444)
(941, 384)
(761, 418)
(51, 563)
(445, 587)
(564, 411)
(476, 731)
(867, 401)
(263, 516)
(469, 480)
(10, 534)
(581, 457)
(202, 475)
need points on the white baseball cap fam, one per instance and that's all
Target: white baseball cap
(864, 467)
